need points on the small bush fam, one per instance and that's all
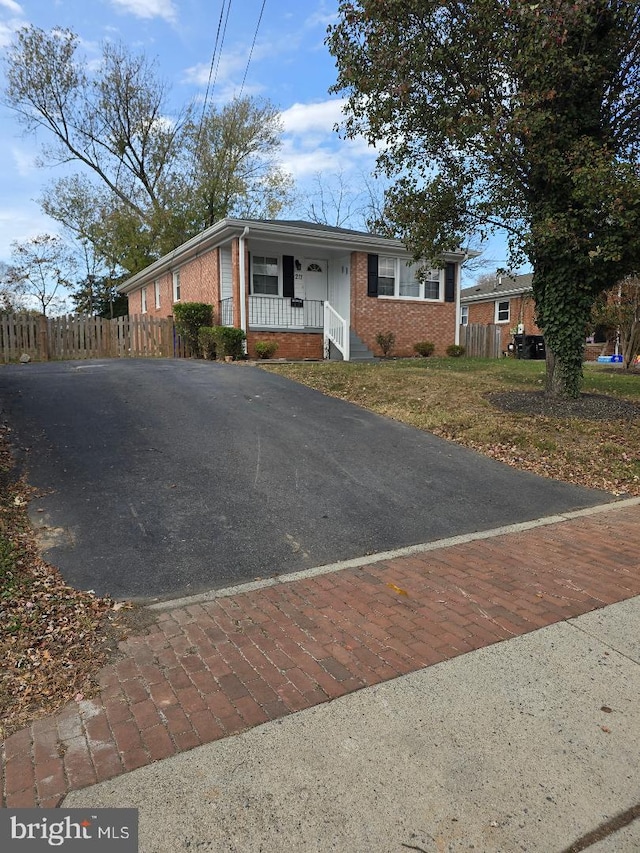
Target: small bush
(455, 350)
(385, 341)
(266, 349)
(207, 342)
(189, 318)
(229, 341)
(424, 348)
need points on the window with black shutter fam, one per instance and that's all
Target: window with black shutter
(372, 275)
(450, 282)
(287, 276)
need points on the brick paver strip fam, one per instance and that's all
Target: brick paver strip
(208, 670)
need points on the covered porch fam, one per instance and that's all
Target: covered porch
(291, 287)
(314, 318)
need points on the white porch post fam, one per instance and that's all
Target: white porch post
(243, 283)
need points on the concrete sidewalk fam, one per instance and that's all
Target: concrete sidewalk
(533, 745)
(213, 667)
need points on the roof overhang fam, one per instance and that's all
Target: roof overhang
(493, 294)
(293, 235)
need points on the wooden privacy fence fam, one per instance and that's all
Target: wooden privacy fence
(481, 341)
(80, 337)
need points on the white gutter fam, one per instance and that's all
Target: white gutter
(243, 282)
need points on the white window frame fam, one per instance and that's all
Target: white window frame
(156, 291)
(388, 268)
(143, 300)
(398, 264)
(464, 315)
(278, 260)
(499, 311)
(176, 286)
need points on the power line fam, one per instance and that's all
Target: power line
(215, 59)
(253, 44)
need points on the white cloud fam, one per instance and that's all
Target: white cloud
(24, 160)
(321, 18)
(303, 161)
(303, 164)
(319, 117)
(311, 145)
(18, 224)
(6, 34)
(227, 74)
(12, 23)
(11, 6)
(147, 8)
(227, 67)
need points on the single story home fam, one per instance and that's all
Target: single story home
(320, 291)
(505, 301)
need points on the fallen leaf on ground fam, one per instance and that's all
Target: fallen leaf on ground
(397, 589)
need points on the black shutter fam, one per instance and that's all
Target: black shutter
(372, 275)
(287, 276)
(250, 273)
(450, 282)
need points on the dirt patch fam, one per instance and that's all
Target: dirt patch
(590, 407)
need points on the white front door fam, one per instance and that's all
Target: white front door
(315, 278)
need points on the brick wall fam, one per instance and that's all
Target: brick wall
(166, 298)
(410, 321)
(521, 310)
(199, 282)
(592, 351)
(290, 344)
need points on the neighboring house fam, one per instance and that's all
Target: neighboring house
(320, 291)
(506, 301)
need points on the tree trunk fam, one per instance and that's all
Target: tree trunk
(561, 380)
(563, 308)
(554, 384)
(631, 346)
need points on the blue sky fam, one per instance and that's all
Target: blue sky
(289, 65)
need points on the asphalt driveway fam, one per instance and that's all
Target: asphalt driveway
(160, 478)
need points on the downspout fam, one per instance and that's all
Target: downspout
(458, 310)
(243, 283)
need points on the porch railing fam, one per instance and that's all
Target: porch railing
(226, 312)
(271, 311)
(336, 331)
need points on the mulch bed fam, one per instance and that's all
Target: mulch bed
(591, 407)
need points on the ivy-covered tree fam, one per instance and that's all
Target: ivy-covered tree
(507, 114)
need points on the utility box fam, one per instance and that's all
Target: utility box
(529, 346)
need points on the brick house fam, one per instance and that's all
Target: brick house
(506, 301)
(320, 291)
